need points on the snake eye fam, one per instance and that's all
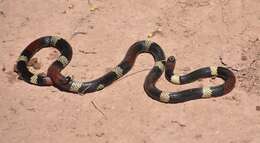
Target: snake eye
(67, 80)
(171, 59)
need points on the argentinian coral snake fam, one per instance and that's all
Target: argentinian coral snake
(66, 83)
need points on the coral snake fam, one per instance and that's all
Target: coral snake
(66, 83)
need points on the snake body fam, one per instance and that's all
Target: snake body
(66, 83)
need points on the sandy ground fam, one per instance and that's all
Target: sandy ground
(198, 33)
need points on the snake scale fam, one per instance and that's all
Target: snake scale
(66, 83)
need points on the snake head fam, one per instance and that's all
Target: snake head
(171, 59)
(67, 79)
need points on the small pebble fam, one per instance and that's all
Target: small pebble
(100, 134)
(91, 27)
(37, 66)
(257, 108)
(93, 8)
(2, 13)
(3, 68)
(32, 61)
(71, 6)
(150, 35)
(243, 58)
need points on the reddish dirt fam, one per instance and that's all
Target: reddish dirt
(197, 32)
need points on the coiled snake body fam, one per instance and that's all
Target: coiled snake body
(55, 78)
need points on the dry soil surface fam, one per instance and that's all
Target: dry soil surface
(198, 33)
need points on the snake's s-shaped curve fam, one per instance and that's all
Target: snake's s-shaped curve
(54, 76)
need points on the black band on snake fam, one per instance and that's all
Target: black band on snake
(55, 78)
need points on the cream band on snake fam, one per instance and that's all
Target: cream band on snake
(75, 86)
(34, 78)
(23, 58)
(54, 40)
(100, 87)
(118, 71)
(160, 65)
(165, 96)
(207, 92)
(54, 76)
(175, 79)
(147, 44)
(214, 70)
(63, 60)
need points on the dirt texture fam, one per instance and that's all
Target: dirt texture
(198, 33)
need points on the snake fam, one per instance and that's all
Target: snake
(55, 78)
